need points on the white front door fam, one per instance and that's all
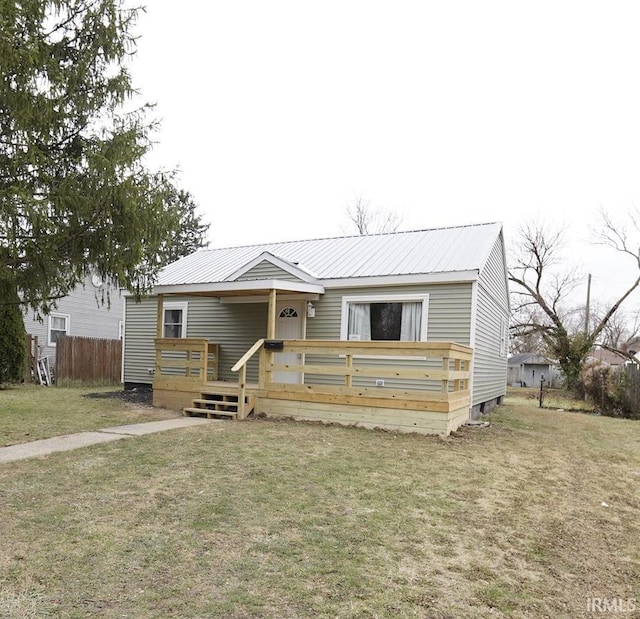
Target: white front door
(289, 325)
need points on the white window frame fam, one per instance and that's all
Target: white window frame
(175, 305)
(385, 298)
(67, 322)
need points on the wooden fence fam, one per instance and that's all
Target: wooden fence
(31, 369)
(632, 388)
(88, 360)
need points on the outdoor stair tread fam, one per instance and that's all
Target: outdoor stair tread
(208, 411)
(213, 405)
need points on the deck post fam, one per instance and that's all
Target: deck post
(271, 326)
(160, 316)
(242, 391)
(348, 378)
(262, 369)
(445, 367)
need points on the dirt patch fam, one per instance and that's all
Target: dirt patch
(131, 396)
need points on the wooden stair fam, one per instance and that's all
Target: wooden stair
(218, 402)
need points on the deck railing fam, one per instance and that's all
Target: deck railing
(436, 376)
(241, 366)
(185, 363)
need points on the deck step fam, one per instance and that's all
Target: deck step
(219, 402)
(191, 411)
(216, 404)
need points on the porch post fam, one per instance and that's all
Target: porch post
(160, 316)
(271, 325)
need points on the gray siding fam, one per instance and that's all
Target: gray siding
(234, 326)
(139, 331)
(88, 317)
(267, 270)
(490, 362)
(449, 319)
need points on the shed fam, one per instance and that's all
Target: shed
(529, 368)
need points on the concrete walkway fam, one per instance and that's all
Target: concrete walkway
(105, 435)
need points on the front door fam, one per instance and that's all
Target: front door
(289, 326)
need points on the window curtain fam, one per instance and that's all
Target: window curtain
(359, 327)
(411, 319)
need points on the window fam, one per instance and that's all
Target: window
(288, 312)
(175, 320)
(504, 337)
(400, 318)
(58, 326)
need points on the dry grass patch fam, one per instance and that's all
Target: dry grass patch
(31, 412)
(284, 519)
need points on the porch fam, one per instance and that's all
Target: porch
(365, 383)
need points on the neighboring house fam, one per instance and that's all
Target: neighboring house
(606, 357)
(406, 289)
(529, 368)
(80, 313)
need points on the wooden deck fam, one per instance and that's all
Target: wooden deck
(355, 383)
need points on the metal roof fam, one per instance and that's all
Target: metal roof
(438, 250)
(529, 358)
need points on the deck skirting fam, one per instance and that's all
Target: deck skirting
(394, 419)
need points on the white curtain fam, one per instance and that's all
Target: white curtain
(411, 319)
(359, 327)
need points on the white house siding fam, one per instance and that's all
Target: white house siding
(490, 352)
(234, 326)
(449, 319)
(88, 317)
(267, 270)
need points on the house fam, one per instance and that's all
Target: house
(529, 368)
(80, 313)
(606, 357)
(406, 330)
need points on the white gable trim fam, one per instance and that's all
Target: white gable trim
(219, 288)
(266, 256)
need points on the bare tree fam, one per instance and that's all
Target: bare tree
(368, 220)
(541, 298)
(621, 335)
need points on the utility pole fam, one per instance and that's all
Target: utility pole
(586, 314)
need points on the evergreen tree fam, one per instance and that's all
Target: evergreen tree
(192, 234)
(74, 196)
(13, 350)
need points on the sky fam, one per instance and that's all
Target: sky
(280, 114)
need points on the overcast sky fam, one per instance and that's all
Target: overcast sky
(279, 113)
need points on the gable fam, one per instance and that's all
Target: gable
(493, 276)
(267, 270)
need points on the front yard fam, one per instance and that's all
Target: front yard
(32, 412)
(279, 519)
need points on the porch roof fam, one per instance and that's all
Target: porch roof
(254, 287)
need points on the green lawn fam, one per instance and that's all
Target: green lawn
(285, 520)
(31, 412)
